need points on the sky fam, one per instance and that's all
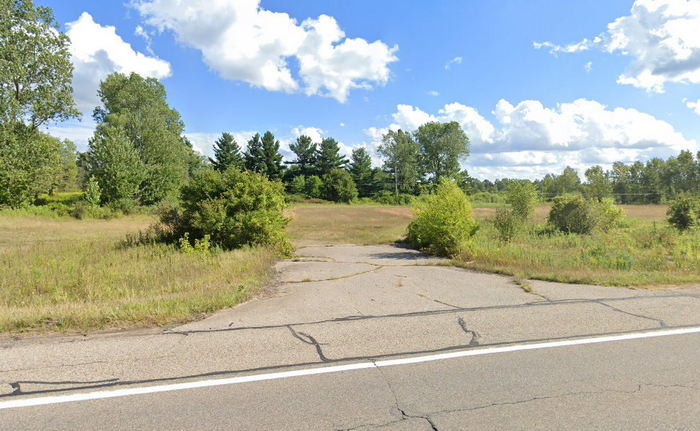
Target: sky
(537, 85)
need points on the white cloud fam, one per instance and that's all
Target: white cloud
(662, 38)
(96, 51)
(242, 41)
(314, 133)
(203, 142)
(694, 105)
(433, 93)
(588, 66)
(78, 133)
(530, 140)
(456, 60)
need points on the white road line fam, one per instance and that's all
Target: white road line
(86, 396)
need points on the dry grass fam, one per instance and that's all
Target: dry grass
(347, 224)
(647, 252)
(65, 274)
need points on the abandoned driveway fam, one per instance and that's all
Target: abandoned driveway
(335, 306)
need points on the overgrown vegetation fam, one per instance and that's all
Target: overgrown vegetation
(230, 209)
(443, 224)
(66, 274)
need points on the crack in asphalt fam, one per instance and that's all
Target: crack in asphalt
(342, 277)
(308, 339)
(455, 309)
(475, 336)
(429, 416)
(374, 358)
(661, 323)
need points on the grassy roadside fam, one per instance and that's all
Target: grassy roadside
(645, 253)
(65, 274)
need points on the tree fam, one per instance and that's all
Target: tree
(400, 153)
(68, 176)
(226, 153)
(442, 147)
(338, 186)
(362, 173)
(599, 185)
(138, 106)
(254, 158)
(305, 152)
(30, 164)
(272, 158)
(328, 157)
(35, 66)
(521, 195)
(116, 165)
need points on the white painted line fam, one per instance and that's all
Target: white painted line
(86, 396)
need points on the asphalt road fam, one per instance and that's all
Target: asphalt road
(410, 345)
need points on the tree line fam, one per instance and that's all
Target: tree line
(138, 154)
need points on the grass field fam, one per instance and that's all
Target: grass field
(647, 252)
(66, 274)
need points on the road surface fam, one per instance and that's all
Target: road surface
(377, 337)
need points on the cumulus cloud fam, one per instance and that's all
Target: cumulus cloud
(456, 60)
(694, 105)
(662, 38)
(530, 140)
(96, 51)
(314, 133)
(242, 41)
(433, 93)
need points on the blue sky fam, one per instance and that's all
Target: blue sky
(578, 100)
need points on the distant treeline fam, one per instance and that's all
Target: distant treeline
(653, 182)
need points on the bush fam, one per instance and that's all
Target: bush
(443, 224)
(232, 208)
(487, 198)
(312, 187)
(389, 198)
(684, 212)
(298, 185)
(92, 195)
(507, 223)
(338, 186)
(607, 214)
(572, 214)
(522, 197)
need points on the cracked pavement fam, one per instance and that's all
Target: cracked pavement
(344, 303)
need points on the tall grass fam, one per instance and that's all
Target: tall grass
(64, 274)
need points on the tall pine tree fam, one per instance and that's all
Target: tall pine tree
(328, 157)
(361, 171)
(227, 153)
(272, 156)
(253, 157)
(305, 151)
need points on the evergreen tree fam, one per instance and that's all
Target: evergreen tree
(305, 152)
(254, 157)
(362, 173)
(227, 153)
(328, 157)
(272, 156)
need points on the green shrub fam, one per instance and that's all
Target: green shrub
(338, 186)
(684, 212)
(572, 214)
(389, 198)
(92, 195)
(232, 208)
(443, 223)
(298, 185)
(312, 187)
(507, 224)
(607, 214)
(522, 198)
(487, 198)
